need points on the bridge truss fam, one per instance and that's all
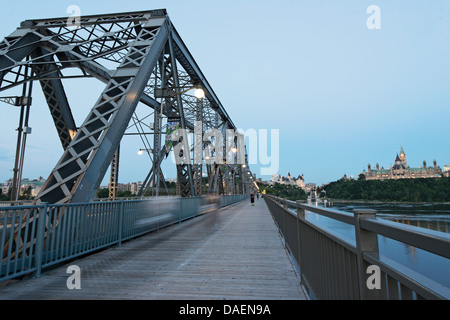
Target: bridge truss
(141, 59)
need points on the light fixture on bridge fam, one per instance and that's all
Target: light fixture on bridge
(141, 151)
(199, 93)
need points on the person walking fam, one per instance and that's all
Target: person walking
(252, 199)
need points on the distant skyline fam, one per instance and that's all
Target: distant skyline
(341, 95)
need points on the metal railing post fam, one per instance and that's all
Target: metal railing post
(285, 204)
(120, 224)
(300, 211)
(300, 217)
(366, 241)
(40, 235)
(285, 207)
(180, 209)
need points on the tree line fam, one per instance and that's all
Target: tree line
(284, 191)
(405, 190)
(171, 188)
(25, 195)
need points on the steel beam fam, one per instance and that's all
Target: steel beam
(122, 51)
(55, 96)
(79, 172)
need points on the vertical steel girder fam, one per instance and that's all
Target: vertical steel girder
(55, 96)
(197, 167)
(185, 183)
(78, 174)
(123, 51)
(114, 175)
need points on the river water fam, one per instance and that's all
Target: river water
(430, 216)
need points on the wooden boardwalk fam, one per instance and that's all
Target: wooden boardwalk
(234, 253)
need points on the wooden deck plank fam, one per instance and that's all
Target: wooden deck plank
(234, 253)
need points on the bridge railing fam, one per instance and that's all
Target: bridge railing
(333, 267)
(39, 236)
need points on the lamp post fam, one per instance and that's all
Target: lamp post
(24, 102)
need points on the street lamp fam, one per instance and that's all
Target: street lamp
(141, 151)
(199, 93)
(166, 93)
(24, 102)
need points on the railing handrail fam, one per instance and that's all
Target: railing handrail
(365, 250)
(430, 240)
(330, 213)
(95, 202)
(58, 232)
(35, 206)
(433, 241)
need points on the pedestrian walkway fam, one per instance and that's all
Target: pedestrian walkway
(233, 253)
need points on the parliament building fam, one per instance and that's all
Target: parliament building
(400, 170)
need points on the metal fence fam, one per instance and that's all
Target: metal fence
(332, 268)
(38, 236)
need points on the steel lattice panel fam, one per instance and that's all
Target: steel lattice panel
(132, 54)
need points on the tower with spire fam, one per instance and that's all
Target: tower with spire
(400, 170)
(402, 156)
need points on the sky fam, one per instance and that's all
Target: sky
(340, 95)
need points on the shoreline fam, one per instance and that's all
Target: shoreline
(382, 202)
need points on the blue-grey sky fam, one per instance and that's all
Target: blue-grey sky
(341, 95)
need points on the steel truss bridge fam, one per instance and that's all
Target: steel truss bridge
(142, 60)
(234, 252)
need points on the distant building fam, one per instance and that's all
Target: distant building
(134, 188)
(5, 190)
(400, 170)
(446, 172)
(310, 187)
(26, 185)
(298, 182)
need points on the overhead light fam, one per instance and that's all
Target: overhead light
(199, 93)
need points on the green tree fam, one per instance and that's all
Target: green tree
(125, 194)
(284, 191)
(410, 190)
(103, 193)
